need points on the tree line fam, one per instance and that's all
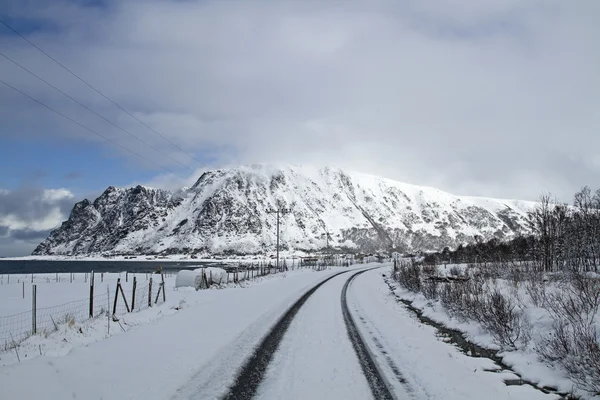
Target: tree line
(563, 237)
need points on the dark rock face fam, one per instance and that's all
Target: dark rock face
(225, 212)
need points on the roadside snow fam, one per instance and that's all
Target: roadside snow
(196, 340)
(431, 368)
(525, 360)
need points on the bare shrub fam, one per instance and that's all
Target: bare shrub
(514, 273)
(535, 287)
(431, 289)
(488, 270)
(409, 276)
(577, 350)
(67, 319)
(429, 270)
(455, 271)
(505, 321)
(456, 300)
(578, 300)
(573, 343)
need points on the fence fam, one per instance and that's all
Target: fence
(16, 328)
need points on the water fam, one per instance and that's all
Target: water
(42, 266)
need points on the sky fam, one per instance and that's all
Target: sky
(497, 98)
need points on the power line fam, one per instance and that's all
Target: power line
(99, 92)
(89, 129)
(92, 111)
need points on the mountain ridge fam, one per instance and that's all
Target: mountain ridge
(224, 212)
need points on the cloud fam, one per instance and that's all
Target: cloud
(494, 98)
(34, 208)
(27, 215)
(30, 234)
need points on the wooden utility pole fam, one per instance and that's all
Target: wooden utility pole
(278, 211)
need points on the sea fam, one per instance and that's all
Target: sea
(9, 266)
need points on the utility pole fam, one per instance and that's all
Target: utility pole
(278, 211)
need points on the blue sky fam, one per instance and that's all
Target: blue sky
(495, 98)
(57, 163)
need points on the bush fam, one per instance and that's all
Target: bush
(455, 271)
(573, 343)
(429, 270)
(451, 297)
(577, 350)
(431, 289)
(505, 321)
(409, 276)
(535, 287)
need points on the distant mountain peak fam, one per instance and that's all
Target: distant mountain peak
(225, 212)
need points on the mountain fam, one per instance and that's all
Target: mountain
(225, 212)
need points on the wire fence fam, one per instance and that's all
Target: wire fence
(16, 328)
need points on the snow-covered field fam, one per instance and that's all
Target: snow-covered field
(63, 298)
(151, 353)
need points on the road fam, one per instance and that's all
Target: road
(349, 339)
(335, 334)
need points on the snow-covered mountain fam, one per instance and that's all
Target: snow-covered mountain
(225, 211)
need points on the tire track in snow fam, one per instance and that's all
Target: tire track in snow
(375, 378)
(253, 371)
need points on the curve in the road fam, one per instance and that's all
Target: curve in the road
(253, 371)
(379, 388)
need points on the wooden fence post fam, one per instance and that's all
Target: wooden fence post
(116, 296)
(34, 309)
(92, 295)
(150, 293)
(133, 295)
(160, 287)
(124, 298)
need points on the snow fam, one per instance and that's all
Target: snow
(172, 349)
(186, 279)
(192, 346)
(321, 200)
(524, 360)
(193, 278)
(432, 368)
(316, 359)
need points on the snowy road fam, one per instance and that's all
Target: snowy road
(373, 348)
(199, 351)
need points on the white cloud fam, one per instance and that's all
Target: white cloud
(488, 98)
(29, 213)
